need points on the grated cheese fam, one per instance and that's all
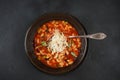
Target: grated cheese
(58, 42)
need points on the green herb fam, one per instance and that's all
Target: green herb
(73, 54)
(43, 43)
(45, 57)
(70, 43)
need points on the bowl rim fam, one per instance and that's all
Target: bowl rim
(85, 47)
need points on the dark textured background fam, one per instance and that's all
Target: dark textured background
(103, 57)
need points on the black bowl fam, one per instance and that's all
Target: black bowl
(30, 36)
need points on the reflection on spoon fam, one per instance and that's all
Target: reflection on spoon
(97, 36)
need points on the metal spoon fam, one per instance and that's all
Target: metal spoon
(97, 36)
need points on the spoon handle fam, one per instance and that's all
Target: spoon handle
(97, 36)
